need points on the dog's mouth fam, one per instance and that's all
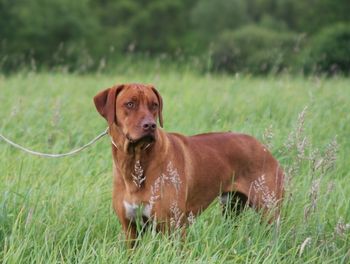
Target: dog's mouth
(144, 141)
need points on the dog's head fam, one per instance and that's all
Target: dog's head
(133, 109)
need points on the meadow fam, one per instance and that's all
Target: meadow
(59, 210)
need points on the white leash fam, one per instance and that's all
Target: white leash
(47, 155)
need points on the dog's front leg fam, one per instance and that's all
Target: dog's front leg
(129, 227)
(130, 232)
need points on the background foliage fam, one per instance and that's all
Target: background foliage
(257, 36)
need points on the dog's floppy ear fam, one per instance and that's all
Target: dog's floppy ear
(160, 108)
(105, 103)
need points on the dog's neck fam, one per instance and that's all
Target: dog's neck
(132, 164)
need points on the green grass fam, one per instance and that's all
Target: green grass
(59, 210)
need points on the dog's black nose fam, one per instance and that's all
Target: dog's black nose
(149, 126)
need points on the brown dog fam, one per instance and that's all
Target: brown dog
(169, 178)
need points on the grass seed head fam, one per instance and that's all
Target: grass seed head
(341, 228)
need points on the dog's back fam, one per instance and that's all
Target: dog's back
(227, 162)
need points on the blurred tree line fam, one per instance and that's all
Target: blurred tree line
(256, 36)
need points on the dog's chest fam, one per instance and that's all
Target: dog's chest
(134, 211)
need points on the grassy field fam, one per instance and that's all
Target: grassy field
(59, 210)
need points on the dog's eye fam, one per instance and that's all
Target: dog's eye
(130, 105)
(154, 106)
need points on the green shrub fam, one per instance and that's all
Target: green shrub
(253, 49)
(329, 51)
(210, 17)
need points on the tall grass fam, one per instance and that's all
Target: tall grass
(59, 210)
